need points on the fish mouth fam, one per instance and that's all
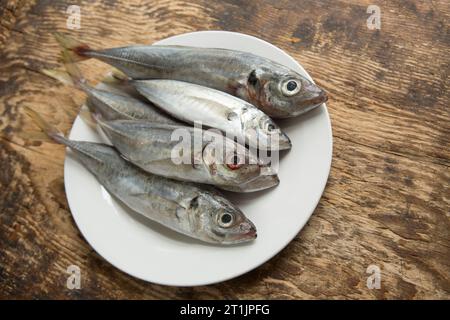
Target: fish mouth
(317, 96)
(284, 142)
(250, 231)
(247, 232)
(280, 142)
(249, 235)
(261, 183)
(320, 98)
(314, 98)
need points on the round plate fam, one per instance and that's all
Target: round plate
(154, 253)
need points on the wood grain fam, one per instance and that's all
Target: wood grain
(388, 197)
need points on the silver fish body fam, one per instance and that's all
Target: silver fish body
(157, 148)
(277, 90)
(216, 109)
(198, 212)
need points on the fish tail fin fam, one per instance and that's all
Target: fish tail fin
(71, 75)
(115, 77)
(60, 75)
(73, 71)
(78, 51)
(51, 132)
(89, 117)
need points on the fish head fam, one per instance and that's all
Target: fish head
(267, 134)
(283, 93)
(230, 163)
(219, 221)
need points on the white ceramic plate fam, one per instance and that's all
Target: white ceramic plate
(153, 253)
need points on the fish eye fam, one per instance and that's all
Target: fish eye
(226, 219)
(232, 116)
(291, 87)
(252, 78)
(268, 126)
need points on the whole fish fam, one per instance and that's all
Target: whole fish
(215, 109)
(277, 90)
(201, 213)
(157, 149)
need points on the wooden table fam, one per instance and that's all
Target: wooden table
(388, 195)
